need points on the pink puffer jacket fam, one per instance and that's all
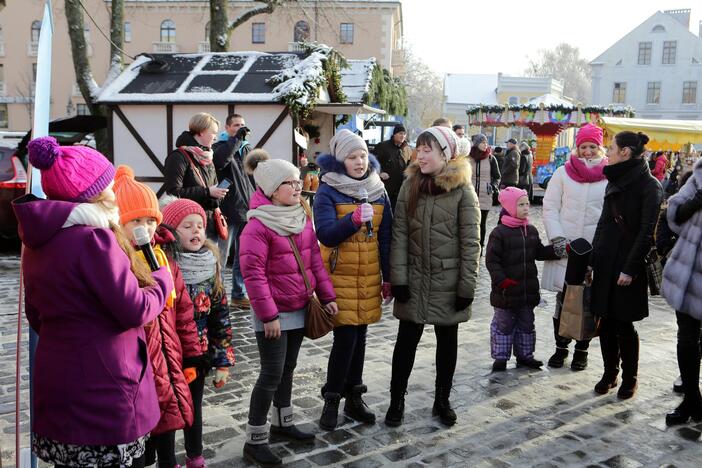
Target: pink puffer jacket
(273, 280)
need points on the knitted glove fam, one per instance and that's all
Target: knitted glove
(363, 214)
(508, 283)
(190, 374)
(559, 246)
(401, 293)
(387, 290)
(463, 302)
(241, 134)
(221, 377)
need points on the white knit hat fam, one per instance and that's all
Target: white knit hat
(344, 143)
(269, 173)
(447, 140)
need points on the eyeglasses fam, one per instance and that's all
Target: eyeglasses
(295, 184)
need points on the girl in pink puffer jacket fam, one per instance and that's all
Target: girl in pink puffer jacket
(278, 294)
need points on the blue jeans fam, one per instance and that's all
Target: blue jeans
(231, 245)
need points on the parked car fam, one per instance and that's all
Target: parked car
(13, 161)
(13, 184)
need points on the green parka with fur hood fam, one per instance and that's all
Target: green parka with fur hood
(436, 251)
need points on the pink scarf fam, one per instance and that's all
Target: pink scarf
(514, 222)
(202, 156)
(579, 171)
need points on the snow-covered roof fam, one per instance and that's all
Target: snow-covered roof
(213, 77)
(356, 79)
(549, 100)
(470, 89)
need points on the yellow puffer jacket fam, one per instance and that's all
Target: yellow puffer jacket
(356, 263)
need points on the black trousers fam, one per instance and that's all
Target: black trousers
(278, 361)
(345, 367)
(688, 349)
(162, 445)
(193, 434)
(483, 224)
(408, 336)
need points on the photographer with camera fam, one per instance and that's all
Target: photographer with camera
(228, 159)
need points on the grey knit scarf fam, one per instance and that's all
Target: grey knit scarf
(284, 220)
(197, 266)
(354, 188)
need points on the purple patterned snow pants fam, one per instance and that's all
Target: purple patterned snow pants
(512, 326)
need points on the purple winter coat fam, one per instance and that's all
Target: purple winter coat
(93, 384)
(272, 277)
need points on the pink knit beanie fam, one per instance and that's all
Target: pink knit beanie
(70, 173)
(175, 211)
(589, 133)
(508, 199)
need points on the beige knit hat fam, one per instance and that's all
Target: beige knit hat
(344, 143)
(447, 140)
(269, 173)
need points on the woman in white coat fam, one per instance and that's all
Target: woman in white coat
(572, 207)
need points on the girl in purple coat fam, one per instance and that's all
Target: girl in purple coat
(278, 294)
(94, 394)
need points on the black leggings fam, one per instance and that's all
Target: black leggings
(278, 361)
(193, 434)
(345, 368)
(408, 336)
(483, 224)
(162, 445)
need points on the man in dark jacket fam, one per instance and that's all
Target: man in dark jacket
(392, 162)
(526, 162)
(510, 165)
(228, 159)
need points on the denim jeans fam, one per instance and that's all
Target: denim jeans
(231, 245)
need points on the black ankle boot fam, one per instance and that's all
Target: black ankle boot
(256, 448)
(579, 362)
(282, 425)
(442, 406)
(629, 350)
(531, 363)
(355, 407)
(610, 360)
(684, 412)
(556, 361)
(396, 410)
(328, 420)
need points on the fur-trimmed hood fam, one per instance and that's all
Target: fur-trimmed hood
(328, 163)
(456, 174)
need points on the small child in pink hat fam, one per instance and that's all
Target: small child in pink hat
(512, 251)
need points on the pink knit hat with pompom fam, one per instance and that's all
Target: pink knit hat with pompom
(70, 173)
(589, 133)
(174, 212)
(509, 197)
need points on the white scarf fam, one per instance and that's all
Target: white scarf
(284, 220)
(354, 188)
(92, 214)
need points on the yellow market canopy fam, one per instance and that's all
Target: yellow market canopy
(669, 135)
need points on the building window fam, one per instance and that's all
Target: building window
(2, 73)
(168, 31)
(658, 29)
(645, 53)
(3, 116)
(346, 33)
(669, 49)
(258, 33)
(36, 28)
(302, 32)
(34, 73)
(619, 94)
(689, 92)
(127, 31)
(513, 101)
(653, 92)
(82, 109)
(207, 31)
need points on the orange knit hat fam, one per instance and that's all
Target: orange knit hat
(134, 199)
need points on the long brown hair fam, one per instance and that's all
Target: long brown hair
(218, 288)
(421, 183)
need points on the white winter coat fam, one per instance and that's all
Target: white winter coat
(682, 275)
(571, 210)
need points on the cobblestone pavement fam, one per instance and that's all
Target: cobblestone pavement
(517, 418)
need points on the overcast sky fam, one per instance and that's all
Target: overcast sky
(490, 36)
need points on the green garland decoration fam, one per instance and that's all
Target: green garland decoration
(619, 111)
(387, 92)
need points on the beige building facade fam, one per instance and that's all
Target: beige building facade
(359, 29)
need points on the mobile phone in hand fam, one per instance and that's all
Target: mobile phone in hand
(224, 184)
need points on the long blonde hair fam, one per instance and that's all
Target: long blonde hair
(106, 200)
